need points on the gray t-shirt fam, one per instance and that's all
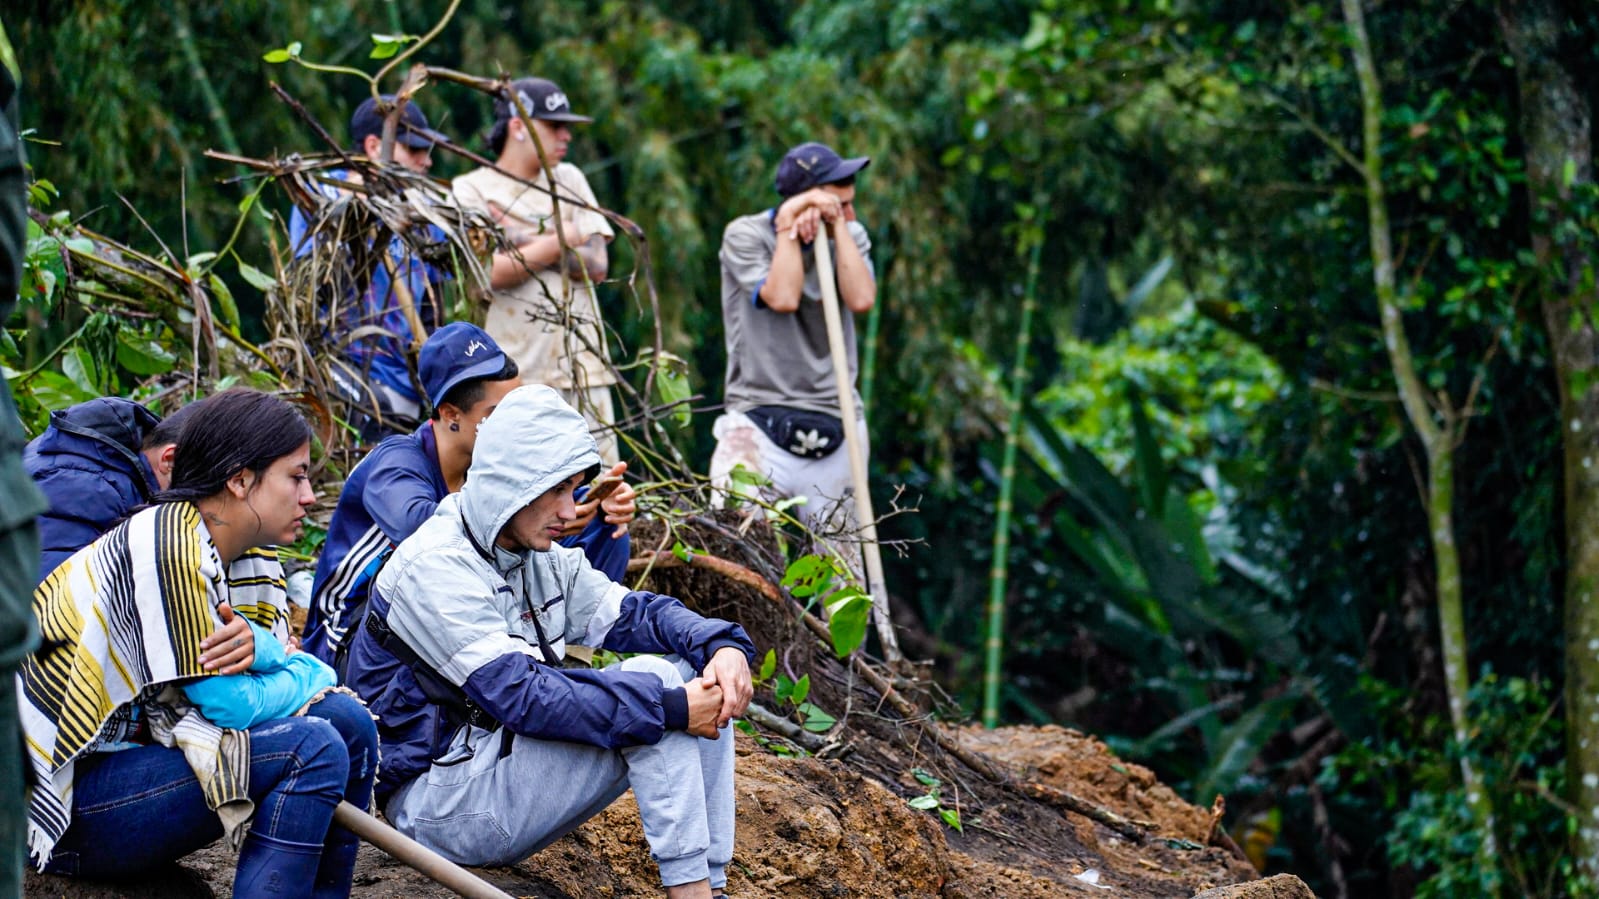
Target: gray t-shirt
(778, 358)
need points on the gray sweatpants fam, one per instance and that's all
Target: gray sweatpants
(476, 806)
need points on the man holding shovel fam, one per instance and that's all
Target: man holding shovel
(784, 412)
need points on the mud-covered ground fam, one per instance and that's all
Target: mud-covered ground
(819, 828)
(841, 826)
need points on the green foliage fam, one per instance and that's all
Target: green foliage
(63, 346)
(932, 799)
(826, 581)
(1518, 748)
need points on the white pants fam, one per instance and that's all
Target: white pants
(826, 483)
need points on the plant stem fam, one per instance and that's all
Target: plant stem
(994, 645)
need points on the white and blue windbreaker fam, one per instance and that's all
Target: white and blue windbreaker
(473, 611)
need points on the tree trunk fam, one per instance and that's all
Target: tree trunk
(1555, 122)
(1439, 438)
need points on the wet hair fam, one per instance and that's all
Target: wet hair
(470, 392)
(235, 430)
(167, 430)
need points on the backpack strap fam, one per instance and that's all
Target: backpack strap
(458, 706)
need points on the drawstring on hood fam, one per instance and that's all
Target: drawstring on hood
(532, 442)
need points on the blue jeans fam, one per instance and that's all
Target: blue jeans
(142, 807)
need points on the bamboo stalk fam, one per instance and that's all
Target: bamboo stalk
(994, 644)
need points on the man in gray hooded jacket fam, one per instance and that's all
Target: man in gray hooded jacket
(491, 749)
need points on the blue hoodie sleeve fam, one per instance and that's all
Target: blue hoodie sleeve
(399, 497)
(244, 700)
(611, 709)
(650, 622)
(269, 653)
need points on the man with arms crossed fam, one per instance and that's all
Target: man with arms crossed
(555, 337)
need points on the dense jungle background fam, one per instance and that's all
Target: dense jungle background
(1265, 434)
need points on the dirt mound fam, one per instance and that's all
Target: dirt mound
(806, 828)
(1074, 761)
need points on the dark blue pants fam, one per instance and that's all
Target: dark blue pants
(142, 807)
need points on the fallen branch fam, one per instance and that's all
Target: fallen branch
(788, 730)
(1133, 830)
(1071, 802)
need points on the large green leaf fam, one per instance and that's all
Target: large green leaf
(78, 365)
(1151, 470)
(55, 391)
(847, 613)
(142, 355)
(1239, 745)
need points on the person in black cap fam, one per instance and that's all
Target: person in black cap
(783, 416)
(548, 323)
(374, 377)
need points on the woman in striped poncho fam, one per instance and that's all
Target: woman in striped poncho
(144, 753)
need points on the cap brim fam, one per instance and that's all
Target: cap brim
(565, 117)
(420, 138)
(493, 365)
(847, 168)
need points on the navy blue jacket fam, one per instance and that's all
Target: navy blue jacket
(607, 708)
(89, 465)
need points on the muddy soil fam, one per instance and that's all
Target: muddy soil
(840, 826)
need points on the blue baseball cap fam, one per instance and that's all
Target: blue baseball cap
(457, 352)
(411, 130)
(812, 165)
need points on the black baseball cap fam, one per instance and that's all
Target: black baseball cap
(812, 165)
(412, 130)
(542, 98)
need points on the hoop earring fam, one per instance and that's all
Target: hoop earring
(455, 426)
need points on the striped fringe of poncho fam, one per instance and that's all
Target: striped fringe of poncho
(121, 623)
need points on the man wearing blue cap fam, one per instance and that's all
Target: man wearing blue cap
(401, 482)
(376, 379)
(783, 416)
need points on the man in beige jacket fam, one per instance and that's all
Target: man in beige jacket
(542, 311)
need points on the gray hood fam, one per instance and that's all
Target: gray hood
(532, 442)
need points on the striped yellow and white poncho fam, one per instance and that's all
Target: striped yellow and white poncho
(121, 623)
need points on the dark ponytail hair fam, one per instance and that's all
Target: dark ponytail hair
(497, 135)
(234, 430)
